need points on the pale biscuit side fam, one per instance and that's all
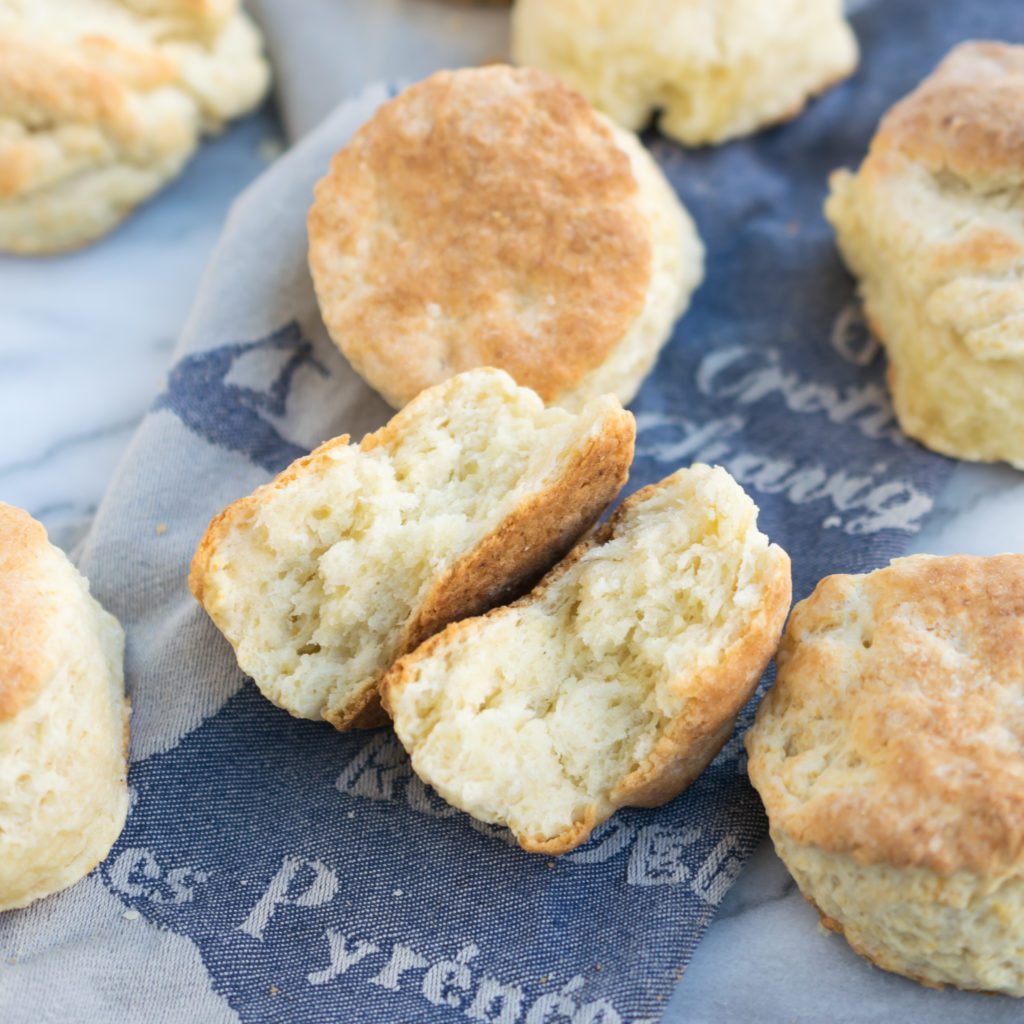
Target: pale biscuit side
(63, 719)
(677, 269)
(957, 929)
(931, 226)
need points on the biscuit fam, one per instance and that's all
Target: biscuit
(615, 682)
(711, 70)
(356, 554)
(204, 16)
(102, 103)
(933, 226)
(489, 217)
(890, 758)
(63, 718)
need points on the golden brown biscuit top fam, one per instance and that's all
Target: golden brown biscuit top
(967, 117)
(895, 731)
(485, 217)
(42, 83)
(26, 605)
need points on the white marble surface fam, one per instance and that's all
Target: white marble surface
(84, 341)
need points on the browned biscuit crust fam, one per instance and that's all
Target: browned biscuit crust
(485, 217)
(965, 118)
(900, 701)
(101, 103)
(25, 610)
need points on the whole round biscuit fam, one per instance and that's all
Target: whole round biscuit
(63, 718)
(488, 217)
(890, 758)
(102, 103)
(711, 69)
(932, 225)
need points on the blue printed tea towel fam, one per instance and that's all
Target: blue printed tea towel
(274, 870)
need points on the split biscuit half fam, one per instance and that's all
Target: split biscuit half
(357, 553)
(615, 682)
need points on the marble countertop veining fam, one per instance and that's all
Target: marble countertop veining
(84, 343)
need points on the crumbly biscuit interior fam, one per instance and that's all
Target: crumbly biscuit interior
(317, 582)
(537, 717)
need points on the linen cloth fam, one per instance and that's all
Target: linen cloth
(274, 870)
